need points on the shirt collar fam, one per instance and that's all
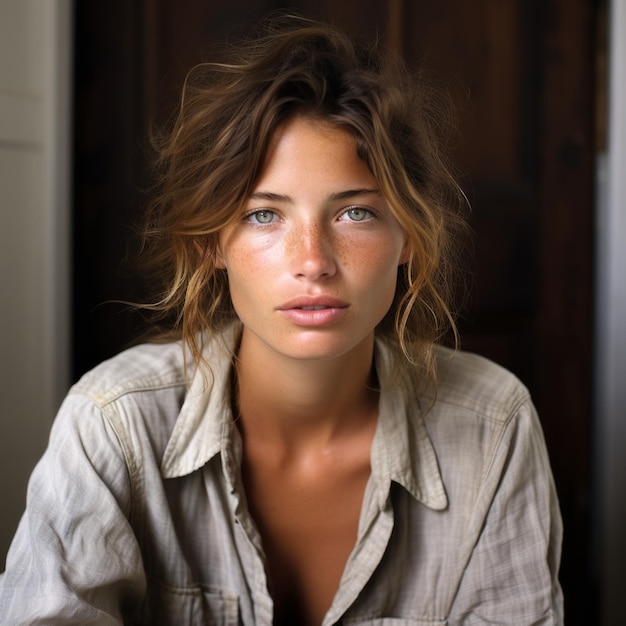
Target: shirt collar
(202, 428)
(402, 451)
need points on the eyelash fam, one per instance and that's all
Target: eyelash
(369, 215)
(248, 217)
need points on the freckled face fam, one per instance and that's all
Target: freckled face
(312, 262)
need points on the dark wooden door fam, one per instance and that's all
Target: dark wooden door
(521, 73)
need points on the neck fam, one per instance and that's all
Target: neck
(295, 402)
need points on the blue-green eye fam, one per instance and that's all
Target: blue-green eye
(261, 217)
(357, 214)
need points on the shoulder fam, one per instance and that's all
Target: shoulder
(473, 384)
(125, 408)
(483, 427)
(143, 368)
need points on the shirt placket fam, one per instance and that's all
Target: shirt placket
(247, 537)
(375, 530)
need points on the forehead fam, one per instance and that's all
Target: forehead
(305, 148)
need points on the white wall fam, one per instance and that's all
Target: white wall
(610, 418)
(35, 47)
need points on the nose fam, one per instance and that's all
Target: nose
(311, 252)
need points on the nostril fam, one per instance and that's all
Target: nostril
(313, 259)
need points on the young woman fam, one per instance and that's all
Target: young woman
(297, 448)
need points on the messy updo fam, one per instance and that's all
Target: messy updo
(209, 161)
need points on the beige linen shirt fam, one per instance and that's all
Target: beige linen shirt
(136, 513)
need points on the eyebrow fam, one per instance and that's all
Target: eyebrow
(340, 195)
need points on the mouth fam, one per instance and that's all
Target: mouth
(313, 303)
(313, 310)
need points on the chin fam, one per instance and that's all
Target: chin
(323, 348)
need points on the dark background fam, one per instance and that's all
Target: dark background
(527, 80)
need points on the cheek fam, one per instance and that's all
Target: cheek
(379, 257)
(249, 269)
(240, 256)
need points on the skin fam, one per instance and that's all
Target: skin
(312, 267)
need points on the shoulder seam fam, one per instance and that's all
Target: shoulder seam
(104, 399)
(489, 410)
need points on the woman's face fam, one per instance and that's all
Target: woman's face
(312, 261)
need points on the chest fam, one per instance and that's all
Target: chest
(308, 521)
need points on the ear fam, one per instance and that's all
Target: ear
(406, 253)
(218, 258)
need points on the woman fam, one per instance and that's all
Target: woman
(297, 448)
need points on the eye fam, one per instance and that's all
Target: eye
(357, 214)
(262, 216)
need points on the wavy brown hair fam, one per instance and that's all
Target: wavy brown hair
(208, 163)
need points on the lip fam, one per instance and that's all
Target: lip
(303, 302)
(313, 310)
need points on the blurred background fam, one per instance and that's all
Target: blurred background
(540, 96)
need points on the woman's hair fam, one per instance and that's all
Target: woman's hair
(207, 166)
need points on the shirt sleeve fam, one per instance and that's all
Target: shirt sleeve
(74, 558)
(512, 572)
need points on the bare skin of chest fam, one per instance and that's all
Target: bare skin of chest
(307, 513)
